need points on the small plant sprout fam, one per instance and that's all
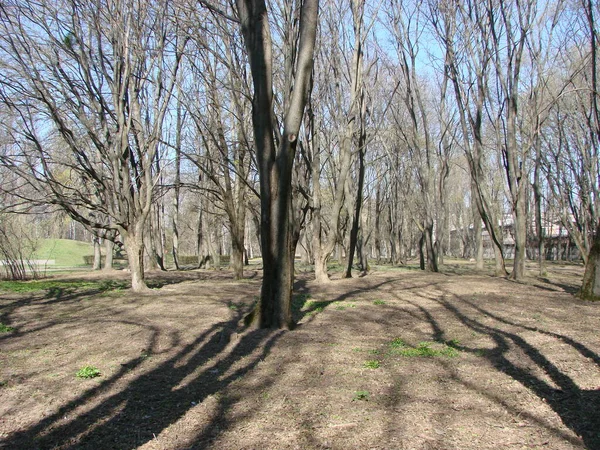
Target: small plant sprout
(373, 364)
(88, 372)
(453, 343)
(361, 395)
(379, 302)
(5, 328)
(398, 343)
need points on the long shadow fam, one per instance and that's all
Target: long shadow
(578, 409)
(569, 289)
(153, 401)
(302, 295)
(67, 294)
(64, 295)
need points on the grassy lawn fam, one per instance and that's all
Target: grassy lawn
(65, 252)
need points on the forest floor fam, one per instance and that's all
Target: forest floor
(399, 359)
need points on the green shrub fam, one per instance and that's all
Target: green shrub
(88, 372)
(5, 328)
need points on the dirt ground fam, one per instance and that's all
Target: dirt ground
(399, 359)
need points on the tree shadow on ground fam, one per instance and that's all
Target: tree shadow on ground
(579, 409)
(303, 305)
(63, 294)
(568, 288)
(137, 413)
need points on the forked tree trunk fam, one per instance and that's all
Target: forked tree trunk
(359, 194)
(275, 164)
(134, 246)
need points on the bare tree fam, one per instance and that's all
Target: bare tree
(468, 68)
(91, 84)
(221, 124)
(591, 280)
(275, 151)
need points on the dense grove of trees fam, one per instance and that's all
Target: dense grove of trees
(358, 130)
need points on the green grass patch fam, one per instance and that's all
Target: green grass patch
(65, 252)
(315, 307)
(398, 343)
(361, 395)
(374, 364)
(56, 287)
(424, 349)
(379, 302)
(88, 372)
(232, 306)
(5, 328)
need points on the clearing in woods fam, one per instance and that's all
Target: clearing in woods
(398, 359)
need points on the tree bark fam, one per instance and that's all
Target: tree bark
(356, 220)
(134, 246)
(590, 289)
(109, 246)
(177, 189)
(275, 164)
(97, 253)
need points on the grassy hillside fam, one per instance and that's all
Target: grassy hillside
(64, 251)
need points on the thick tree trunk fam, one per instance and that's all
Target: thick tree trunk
(134, 246)
(431, 265)
(359, 196)
(275, 164)
(156, 241)
(109, 247)
(97, 254)
(520, 224)
(478, 238)
(237, 252)
(590, 289)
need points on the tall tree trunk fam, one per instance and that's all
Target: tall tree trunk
(109, 247)
(478, 238)
(200, 236)
(319, 253)
(275, 164)
(422, 251)
(134, 246)
(177, 183)
(358, 202)
(237, 247)
(590, 288)
(431, 265)
(97, 253)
